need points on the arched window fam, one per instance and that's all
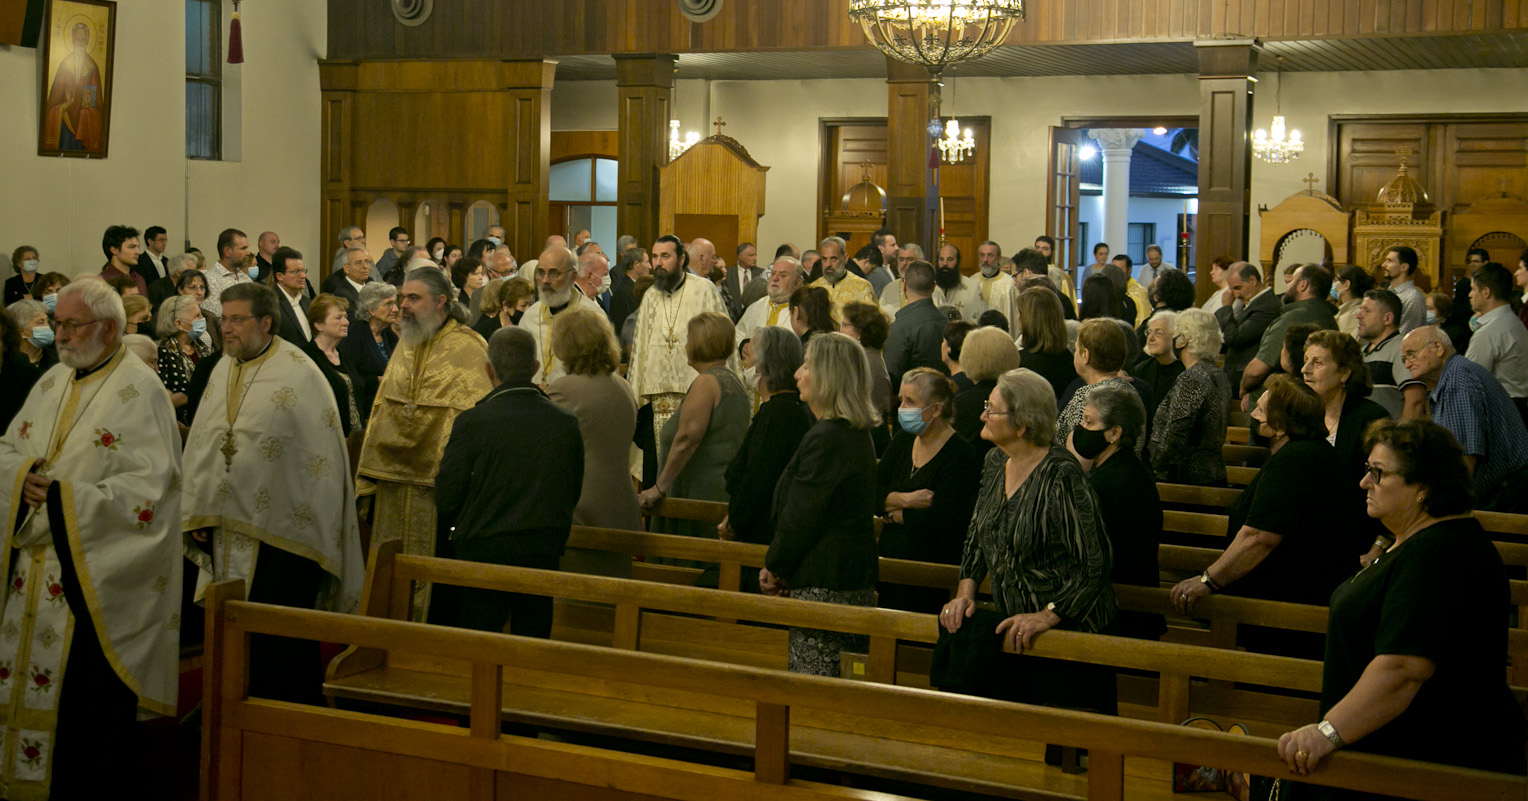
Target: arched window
(582, 195)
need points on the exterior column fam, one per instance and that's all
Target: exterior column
(907, 148)
(1115, 145)
(645, 84)
(1226, 80)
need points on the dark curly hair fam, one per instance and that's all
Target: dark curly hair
(1175, 289)
(1430, 458)
(868, 320)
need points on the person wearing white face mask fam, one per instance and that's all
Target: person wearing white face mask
(594, 277)
(24, 261)
(36, 333)
(927, 481)
(182, 345)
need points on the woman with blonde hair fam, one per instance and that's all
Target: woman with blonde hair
(606, 408)
(824, 547)
(986, 354)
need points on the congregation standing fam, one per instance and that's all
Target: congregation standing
(843, 407)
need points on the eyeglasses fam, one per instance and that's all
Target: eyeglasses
(239, 319)
(69, 327)
(550, 275)
(989, 410)
(1411, 355)
(296, 272)
(1377, 473)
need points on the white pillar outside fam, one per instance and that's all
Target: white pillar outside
(1115, 144)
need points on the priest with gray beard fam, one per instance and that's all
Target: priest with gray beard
(556, 291)
(435, 375)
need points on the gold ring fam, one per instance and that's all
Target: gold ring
(1302, 755)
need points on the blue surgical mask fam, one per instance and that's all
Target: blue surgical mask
(50, 301)
(1335, 294)
(495, 241)
(254, 272)
(1432, 317)
(42, 336)
(198, 328)
(912, 421)
(29, 266)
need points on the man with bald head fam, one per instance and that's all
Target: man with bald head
(265, 248)
(556, 241)
(704, 263)
(785, 277)
(843, 287)
(557, 290)
(1466, 399)
(498, 263)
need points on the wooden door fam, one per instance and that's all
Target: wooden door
(851, 148)
(1063, 196)
(1458, 160)
(1370, 154)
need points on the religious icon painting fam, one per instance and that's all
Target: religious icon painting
(76, 89)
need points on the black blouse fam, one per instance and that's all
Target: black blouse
(968, 417)
(176, 368)
(823, 511)
(1132, 515)
(935, 534)
(1190, 428)
(16, 380)
(1441, 595)
(16, 288)
(771, 441)
(1057, 368)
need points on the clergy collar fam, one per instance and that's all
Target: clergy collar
(265, 351)
(87, 372)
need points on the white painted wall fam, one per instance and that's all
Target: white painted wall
(62, 206)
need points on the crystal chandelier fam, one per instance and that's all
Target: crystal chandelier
(677, 147)
(936, 33)
(952, 147)
(1276, 148)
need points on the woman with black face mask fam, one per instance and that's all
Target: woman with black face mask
(1104, 444)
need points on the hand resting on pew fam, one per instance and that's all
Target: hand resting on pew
(771, 584)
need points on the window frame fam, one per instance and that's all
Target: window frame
(212, 78)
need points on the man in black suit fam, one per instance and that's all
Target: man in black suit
(633, 264)
(152, 264)
(347, 283)
(265, 253)
(916, 334)
(1242, 329)
(525, 528)
(745, 280)
(291, 275)
(164, 288)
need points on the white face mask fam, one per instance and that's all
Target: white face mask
(496, 241)
(439, 254)
(604, 285)
(29, 266)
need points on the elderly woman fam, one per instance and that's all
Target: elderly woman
(986, 354)
(824, 543)
(1348, 288)
(1190, 425)
(1104, 444)
(489, 304)
(329, 316)
(811, 312)
(927, 481)
(517, 296)
(606, 408)
(1042, 340)
(31, 319)
(1099, 359)
(1038, 535)
(1288, 543)
(773, 436)
(370, 342)
(17, 375)
(865, 324)
(181, 327)
(1416, 639)
(697, 443)
(1160, 367)
(25, 262)
(46, 288)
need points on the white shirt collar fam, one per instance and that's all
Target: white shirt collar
(353, 284)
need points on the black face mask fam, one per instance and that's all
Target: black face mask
(1089, 443)
(514, 317)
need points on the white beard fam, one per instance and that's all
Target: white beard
(80, 358)
(988, 272)
(557, 297)
(420, 330)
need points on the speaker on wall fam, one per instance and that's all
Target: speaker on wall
(699, 10)
(21, 22)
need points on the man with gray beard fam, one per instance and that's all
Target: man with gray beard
(435, 375)
(556, 292)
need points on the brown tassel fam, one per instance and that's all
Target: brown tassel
(235, 38)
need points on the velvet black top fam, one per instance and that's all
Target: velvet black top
(823, 510)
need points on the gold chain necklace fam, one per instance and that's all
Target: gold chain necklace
(673, 319)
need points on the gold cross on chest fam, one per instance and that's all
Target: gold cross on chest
(228, 450)
(719, 125)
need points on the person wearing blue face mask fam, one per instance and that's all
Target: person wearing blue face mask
(31, 319)
(182, 346)
(17, 374)
(927, 481)
(24, 262)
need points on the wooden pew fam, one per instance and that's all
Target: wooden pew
(777, 720)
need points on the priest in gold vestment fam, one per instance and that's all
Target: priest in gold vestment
(436, 374)
(844, 287)
(91, 603)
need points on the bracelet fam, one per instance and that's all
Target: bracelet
(659, 490)
(1326, 728)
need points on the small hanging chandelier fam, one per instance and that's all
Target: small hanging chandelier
(1277, 148)
(953, 148)
(677, 147)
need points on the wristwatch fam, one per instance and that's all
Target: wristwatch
(1326, 728)
(1211, 584)
(1051, 607)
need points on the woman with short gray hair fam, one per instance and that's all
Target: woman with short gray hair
(1037, 534)
(371, 343)
(182, 345)
(1190, 424)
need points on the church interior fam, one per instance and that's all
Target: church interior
(1134, 122)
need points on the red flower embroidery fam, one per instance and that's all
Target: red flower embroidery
(55, 589)
(145, 514)
(5, 671)
(106, 439)
(31, 752)
(25, 432)
(43, 679)
(19, 584)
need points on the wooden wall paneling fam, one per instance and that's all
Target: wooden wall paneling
(1481, 160)
(847, 143)
(335, 161)
(907, 150)
(528, 115)
(1367, 158)
(707, 186)
(645, 87)
(1225, 163)
(585, 144)
(963, 188)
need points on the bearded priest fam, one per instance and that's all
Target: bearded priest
(93, 557)
(268, 489)
(436, 374)
(556, 292)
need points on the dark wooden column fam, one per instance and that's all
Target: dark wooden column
(1226, 79)
(337, 82)
(907, 143)
(645, 84)
(528, 138)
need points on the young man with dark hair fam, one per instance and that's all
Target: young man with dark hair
(1500, 344)
(120, 244)
(397, 245)
(152, 263)
(1400, 269)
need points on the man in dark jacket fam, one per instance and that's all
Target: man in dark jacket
(1242, 329)
(514, 436)
(919, 328)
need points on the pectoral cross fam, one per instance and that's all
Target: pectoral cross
(228, 450)
(408, 409)
(719, 125)
(1310, 181)
(672, 341)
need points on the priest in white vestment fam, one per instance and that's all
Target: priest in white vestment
(556, 292)
(268, 488)
(953, 289)
(996, 286)
(660, 372)
(93, 560)
(785, 277)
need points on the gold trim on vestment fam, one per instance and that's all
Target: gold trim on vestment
(262, 535)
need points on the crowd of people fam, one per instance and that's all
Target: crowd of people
(243, 423)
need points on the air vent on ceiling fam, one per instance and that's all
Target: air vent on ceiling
(412, 12)
(699, 10)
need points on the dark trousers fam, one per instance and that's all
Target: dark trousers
(282, 668)
(488, 610)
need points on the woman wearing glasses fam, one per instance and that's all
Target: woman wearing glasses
(1190, 426)
(1418, 638)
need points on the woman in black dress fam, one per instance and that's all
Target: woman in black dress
(1190, 424)
(181, 348)
(1104, 442)
(17, 375)
(986, 354)
(1042, 338)
(24, 261)
(1416, 641)
(927, 482)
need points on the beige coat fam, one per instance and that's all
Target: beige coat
(606, 409)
